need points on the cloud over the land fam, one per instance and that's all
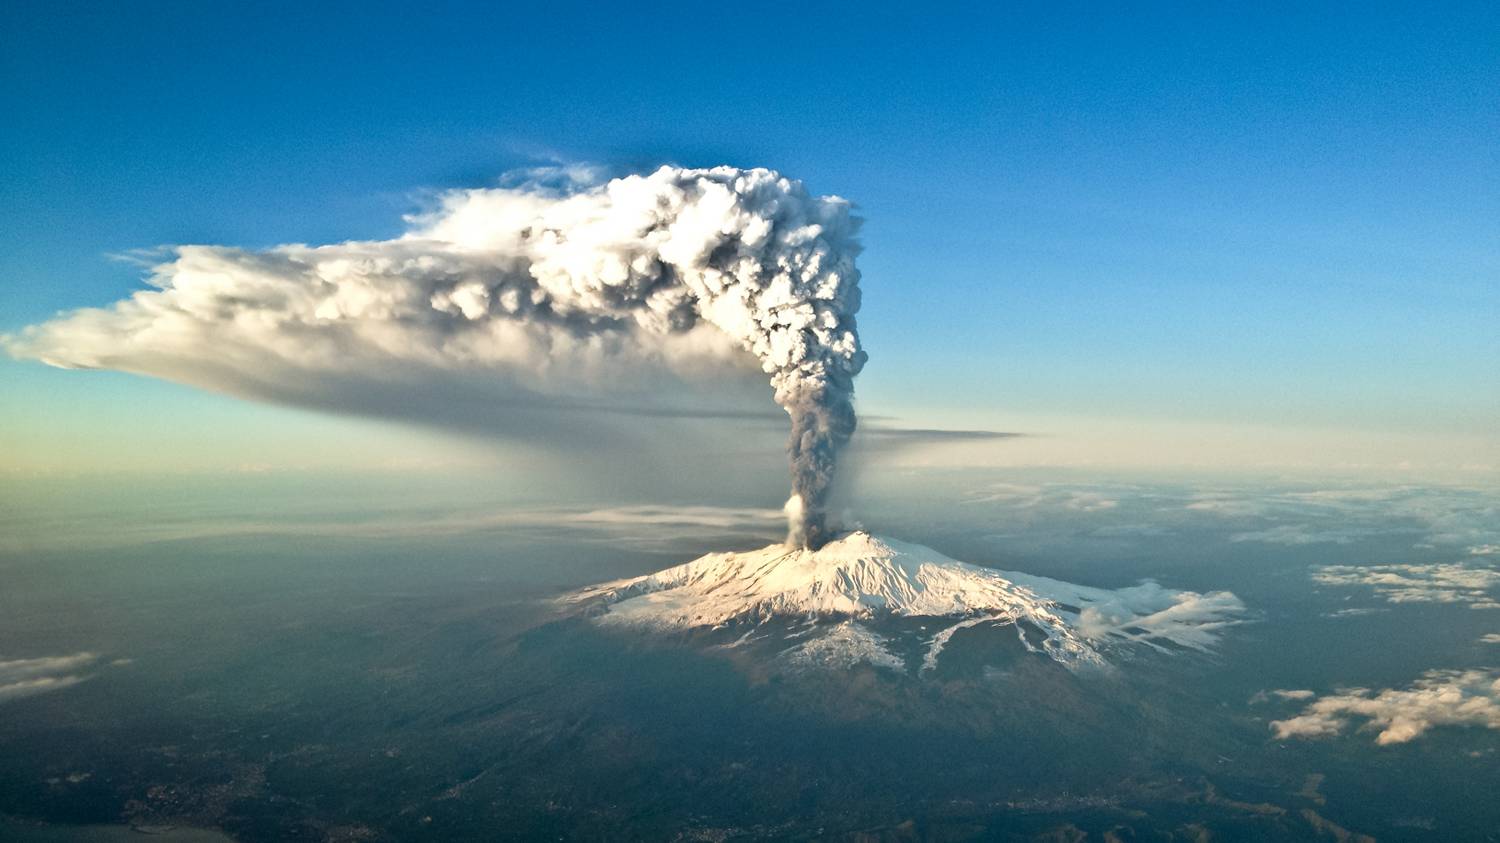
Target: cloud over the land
(1437, 583)
(1439, 698)
(1468, 517)
(25, 677)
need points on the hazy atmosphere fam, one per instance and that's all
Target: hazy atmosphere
(691, 423)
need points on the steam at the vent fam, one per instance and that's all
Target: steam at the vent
(555, 292)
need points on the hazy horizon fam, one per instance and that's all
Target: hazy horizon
(749, 422)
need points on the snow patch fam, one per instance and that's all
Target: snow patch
(844, 646)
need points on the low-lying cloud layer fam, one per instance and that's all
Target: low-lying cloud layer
(25, 677)
(1467, 517)
(1439, 698)
(1436, 583)
(1031, 496)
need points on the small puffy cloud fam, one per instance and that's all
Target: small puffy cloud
(1439, 698)
(1354, 612)
(1434, 583)
(25, 677)
(1282, 694)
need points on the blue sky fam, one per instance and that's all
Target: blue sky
(1079, 218)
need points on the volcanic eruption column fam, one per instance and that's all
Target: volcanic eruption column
(755, 255)
(774, 268)
(515, 280)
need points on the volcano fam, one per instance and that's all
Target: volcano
(853, 586)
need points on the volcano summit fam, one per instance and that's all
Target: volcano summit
(859, 582)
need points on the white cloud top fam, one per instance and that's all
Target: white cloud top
(645, 294)
(1439, 698)
(25, 677)
(1436, 583)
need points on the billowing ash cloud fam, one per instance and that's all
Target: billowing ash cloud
(604, 297)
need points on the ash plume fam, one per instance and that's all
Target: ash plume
(618, 293)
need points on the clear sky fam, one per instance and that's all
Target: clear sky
(1256, 234)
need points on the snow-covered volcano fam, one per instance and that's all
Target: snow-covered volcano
(856, 580)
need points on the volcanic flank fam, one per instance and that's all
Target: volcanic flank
(856, 581)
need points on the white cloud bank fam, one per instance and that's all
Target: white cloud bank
(1448, 515)
(25, 677)
(1437, 583)
(1049, 496)
(1439, 698)
(1285, 694)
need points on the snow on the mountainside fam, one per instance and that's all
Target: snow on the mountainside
(844, 646)
(863, 577)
